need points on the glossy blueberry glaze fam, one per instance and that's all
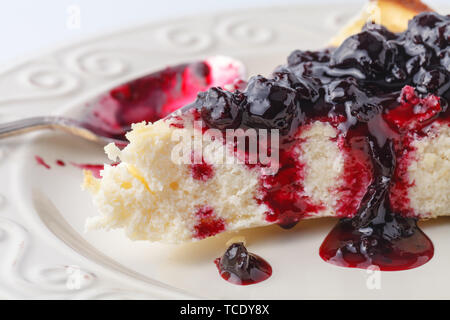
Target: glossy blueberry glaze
(241, 267)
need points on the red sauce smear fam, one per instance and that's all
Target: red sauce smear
(154, 96)
(41, 162)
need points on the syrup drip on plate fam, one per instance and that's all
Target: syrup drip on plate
(377, 235)
(241, 267)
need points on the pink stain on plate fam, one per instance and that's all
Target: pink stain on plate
(41, 162)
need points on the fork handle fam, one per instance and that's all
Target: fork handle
(72, 126)
(18, 127)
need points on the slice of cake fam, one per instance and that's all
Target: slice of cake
(360, 132)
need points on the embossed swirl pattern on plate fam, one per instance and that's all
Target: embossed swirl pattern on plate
(98, 62)
(185, 38)
(40, 82)
(39, 280)
(244, 30)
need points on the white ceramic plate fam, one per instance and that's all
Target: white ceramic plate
(44, 251)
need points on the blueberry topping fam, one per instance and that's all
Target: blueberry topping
(366, 66)
(271, 105)
(220, 108)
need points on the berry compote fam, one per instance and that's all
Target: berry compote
(380, 90)
(241, 267)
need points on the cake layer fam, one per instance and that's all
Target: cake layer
(429, 174)
(154, 198)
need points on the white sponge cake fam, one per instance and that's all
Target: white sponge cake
(153, 198)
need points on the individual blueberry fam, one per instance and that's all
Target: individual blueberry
(219, 108)
(270, 104)
(367, 51)
(431, 28)
(306, 90)
(342, 90)
(348, 93)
